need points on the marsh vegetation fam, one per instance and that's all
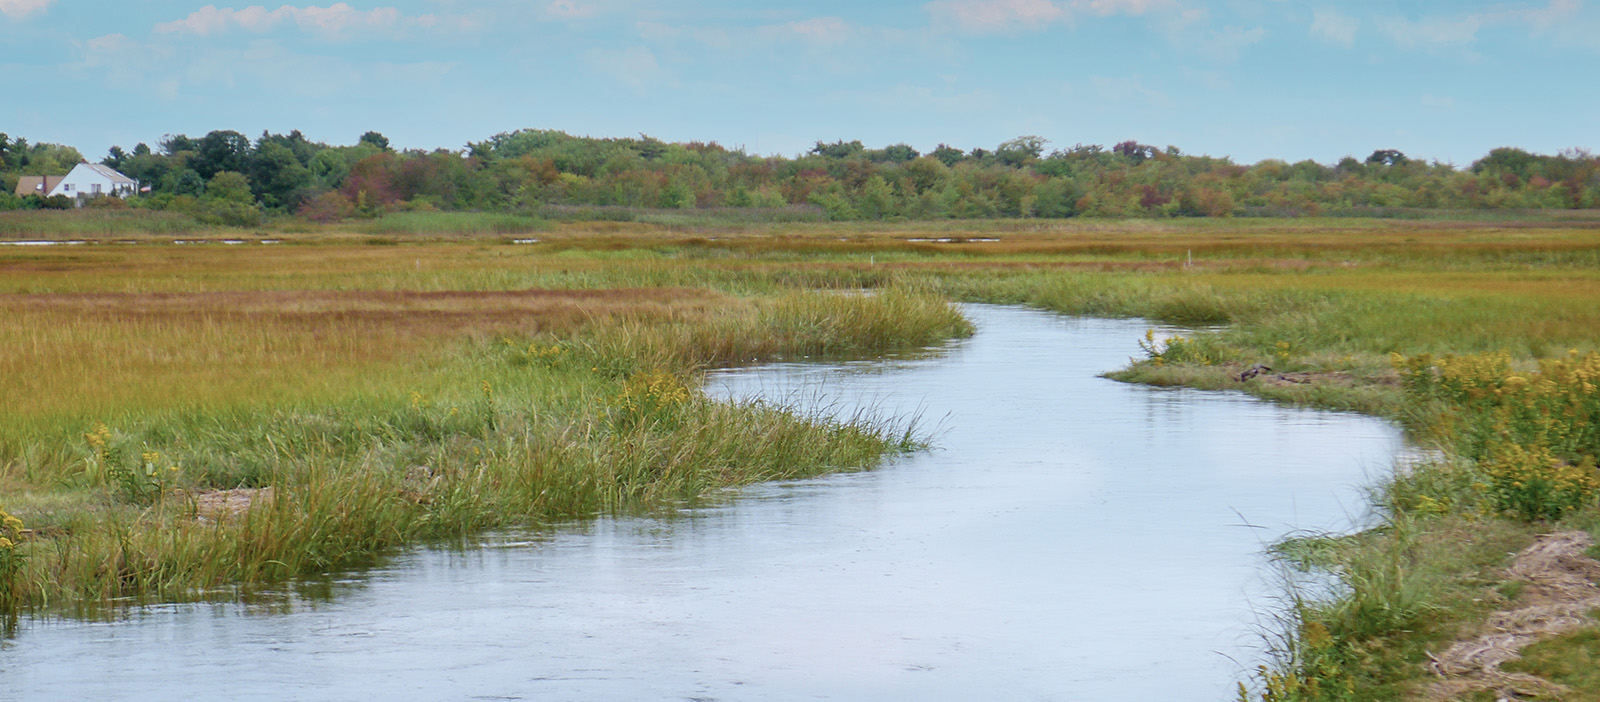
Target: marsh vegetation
(375, 395)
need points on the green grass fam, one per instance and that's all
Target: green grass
(448, 224)
(92, 223)
(1572, 660)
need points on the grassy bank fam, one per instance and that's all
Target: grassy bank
(196, 441)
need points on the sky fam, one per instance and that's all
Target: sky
(1442, 80)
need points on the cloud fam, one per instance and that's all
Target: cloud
(1444, 31)
(984, 16)
(999, 16)
(1335, 26)
(208, 71)
(635, 66)
(1128, 90)
(1121, 7)
(18, 9)
(818, 30)
(1432, 32)
(571, 9)
(336, 21)
(1225, 45)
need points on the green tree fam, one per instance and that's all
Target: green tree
(1388, 157)
(378, 141)
(229, 186)
(1021, 151)
(876, 199)
(276, 176)
(948, 155)
(221, 150)
(838, 149)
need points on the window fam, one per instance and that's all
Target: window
(94, 189)
(66, 188)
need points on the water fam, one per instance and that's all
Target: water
(1072, 538)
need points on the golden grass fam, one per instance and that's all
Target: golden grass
(77, 355)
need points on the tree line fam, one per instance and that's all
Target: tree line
(225, 177)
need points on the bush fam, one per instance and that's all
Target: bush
(229, 212)
(1535, 435)
(330, 206)
(1531, 483)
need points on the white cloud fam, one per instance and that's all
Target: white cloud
(635, 66)
(199, 71)
(571, 9)
(818, 30)
(1556, 12)
(1122, 7)
(1558, 17)
(336, 21)
(18, 9)
(1128, 90)
(996, 15)
(1432, 32)
(991, 16)
(1335, 26)
(1226, 44)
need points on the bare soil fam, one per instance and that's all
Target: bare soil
(1558, 595)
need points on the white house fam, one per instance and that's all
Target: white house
(84, 180)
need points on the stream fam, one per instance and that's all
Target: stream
(1067, 538)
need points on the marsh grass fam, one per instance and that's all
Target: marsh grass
(451, 224)
(1400, 591)
(94, 223)
(393, 394)
(524, 425)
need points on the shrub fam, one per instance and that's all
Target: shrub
(1531, 483)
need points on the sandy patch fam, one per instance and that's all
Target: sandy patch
(1559, 593)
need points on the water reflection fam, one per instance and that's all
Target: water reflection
(1069, 538)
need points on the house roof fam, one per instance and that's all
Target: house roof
(109, 173)
(37, 185)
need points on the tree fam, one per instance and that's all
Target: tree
(114, 158)
(838, 149)
(876, 199)
(174, 144)
(900, 153)
(183, 182)
(1506, 160)
(228, 201)
(378, 140)
(1134, 151)
(1021, 151)
(948, 155)
(221, 150)
(276, 175)
(1388, 157)
(229, 186)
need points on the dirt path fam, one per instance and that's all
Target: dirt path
(1559, 593)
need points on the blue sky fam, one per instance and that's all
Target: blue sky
(1239, 78)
